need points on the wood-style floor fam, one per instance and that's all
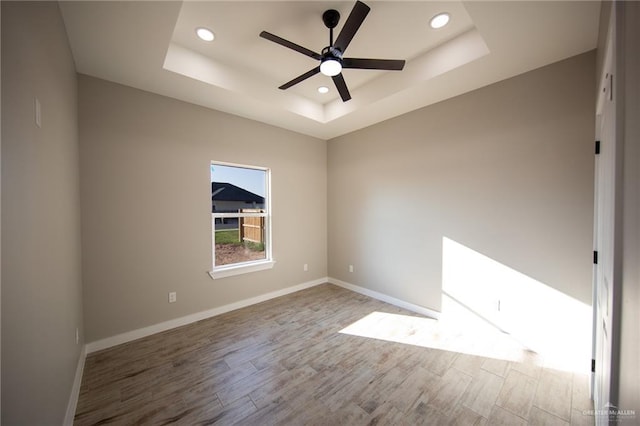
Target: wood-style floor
(285, 362)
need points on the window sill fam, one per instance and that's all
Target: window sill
(229, 271)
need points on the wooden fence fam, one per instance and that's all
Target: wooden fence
(251, 228)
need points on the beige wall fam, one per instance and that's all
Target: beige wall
(41, 292)
(605, 16)
(146, 206)
(506, 170)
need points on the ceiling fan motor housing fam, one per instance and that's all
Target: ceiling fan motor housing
(331, 18)
(331, 52)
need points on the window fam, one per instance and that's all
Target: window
(240, 219)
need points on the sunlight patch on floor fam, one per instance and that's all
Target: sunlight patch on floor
(457, 330)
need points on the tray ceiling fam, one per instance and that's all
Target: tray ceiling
(153, 46)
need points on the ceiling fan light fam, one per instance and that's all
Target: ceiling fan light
(330, 67)
(439, 21)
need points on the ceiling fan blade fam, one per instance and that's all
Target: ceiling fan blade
(300, 78)
(355, 19)
(342, 87)
(373, 64)
(286, 43)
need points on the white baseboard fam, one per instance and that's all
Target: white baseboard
(385, 298)
(75, 389)
(99, 345)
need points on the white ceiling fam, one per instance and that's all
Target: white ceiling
(151, 45)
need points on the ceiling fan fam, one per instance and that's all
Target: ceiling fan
(331, 60)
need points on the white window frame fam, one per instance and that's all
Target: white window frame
(253, 265)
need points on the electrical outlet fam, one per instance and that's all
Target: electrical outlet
(305, 267)
(350, 268)
(172, 297)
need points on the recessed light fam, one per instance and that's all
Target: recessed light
(205, 34)
(323, 89)
(440, 20)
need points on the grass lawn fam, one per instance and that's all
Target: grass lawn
(228, 236)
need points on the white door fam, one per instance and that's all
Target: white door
(605, 269)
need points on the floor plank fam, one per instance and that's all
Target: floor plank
(554, 393)
(542, 418)
(517, 393)
(483, 392)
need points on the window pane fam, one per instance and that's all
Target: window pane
(244, 243)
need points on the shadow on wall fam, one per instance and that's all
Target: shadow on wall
(545, 320)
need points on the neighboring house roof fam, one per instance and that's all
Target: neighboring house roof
(223, 191)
